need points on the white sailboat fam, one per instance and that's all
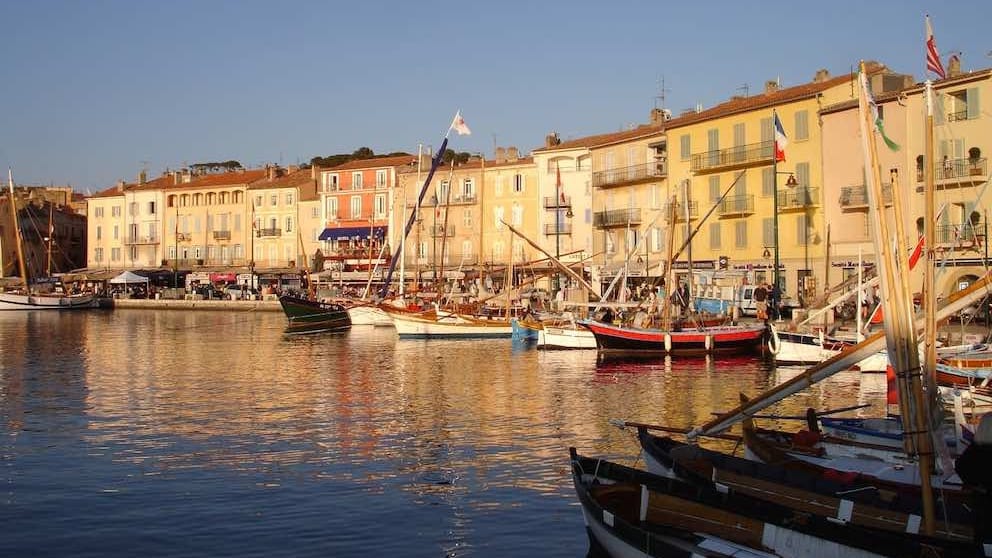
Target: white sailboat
(28, 300)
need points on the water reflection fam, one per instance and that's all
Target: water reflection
(422, 446)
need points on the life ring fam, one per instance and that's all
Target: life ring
(773, 343)
(708, 343)
(668, 343)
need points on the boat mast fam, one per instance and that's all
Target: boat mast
(51, 233)
(666, 315)
(688, 253)
(22, 266)
(901, 339)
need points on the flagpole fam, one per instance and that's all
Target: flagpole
(775, 198)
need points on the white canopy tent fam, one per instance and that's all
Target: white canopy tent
(128, 278)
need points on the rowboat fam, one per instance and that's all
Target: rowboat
(724, 340)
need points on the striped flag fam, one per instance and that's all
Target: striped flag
(933, 57)
(780, 140)
(561, 193)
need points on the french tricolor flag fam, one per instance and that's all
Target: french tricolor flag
(780, 140)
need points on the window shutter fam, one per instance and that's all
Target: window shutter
(973, 103)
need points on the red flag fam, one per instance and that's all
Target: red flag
(561, 193)
(917, 252)
(933, 58)
(891, 391)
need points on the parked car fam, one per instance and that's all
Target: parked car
(208, 292)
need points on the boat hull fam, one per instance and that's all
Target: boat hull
(308, 316)
(451, 326)
(15, 302)
(555, 338)
(725, 340)
(803, 348)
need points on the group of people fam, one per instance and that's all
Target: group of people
(767, 301)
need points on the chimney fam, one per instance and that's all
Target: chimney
(660, 115)
(142, 177)
(954, 66)
(500, 155)
(821, 76)
(314, 171)
(552, 139)
(771, 86)
(120, 185)
(511, 155)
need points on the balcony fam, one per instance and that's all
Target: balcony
(555, 202)
(736, 206)
(231, 262)
(463, 199)
(680, 211)
(556, 229)
(263, 233)
(616, 218)
(441, 230)
(184, 237)
(183, 263)
(954, 173)
(222, 235)
(853, 198)
(762, 153)
(141, 239)
(797, 198)
(959, 115)
(626, 176)
(960, 236)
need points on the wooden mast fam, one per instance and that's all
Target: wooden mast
(22, 266)
(900, 334)
(51, 235)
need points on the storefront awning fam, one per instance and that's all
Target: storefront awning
(351, 233)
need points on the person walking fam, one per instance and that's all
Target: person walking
(760, 296)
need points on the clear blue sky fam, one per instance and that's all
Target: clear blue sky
(94, 90)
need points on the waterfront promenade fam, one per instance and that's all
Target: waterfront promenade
(219, 305)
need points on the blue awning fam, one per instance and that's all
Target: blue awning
(351, 233)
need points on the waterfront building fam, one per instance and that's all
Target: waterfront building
(459, 228)
(733, 144)
(283, 241)
(357, 204)
(962, 132)
(53, 232)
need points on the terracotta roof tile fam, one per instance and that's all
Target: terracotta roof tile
(377, 163)
(598, 140)
(471, 165)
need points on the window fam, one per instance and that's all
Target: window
(715, 236)
(258, 201)
(331, 182)
(314, 212)
(466, 248)
(98, 212)
(132, 209)
(274, 200)
(380, 178)
(115, 254)
(518, 215)
(289, 224)
(468, 189)
(99, 232)
(422, 251)
(498, 217)
(117, 231)
(611, 245)
(685, 147)
(289, 198)
(767, 182)
(656, 239)
(467, 218)
(151, 208)
(518, 183)
(444, 187)
(356, 181)
(380, 206)
(356, 207)
(98, 254)
(498, 250)
(115, 211)
(499, 185)
(740, 234)
(802, 174)
(802, 230)
(802, 124)
(714, 189)
(332, 209)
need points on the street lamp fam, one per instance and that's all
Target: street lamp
(791, 182)
(558, 225)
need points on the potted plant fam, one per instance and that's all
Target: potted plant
(974, 157)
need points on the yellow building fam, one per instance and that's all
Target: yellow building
(962, 133)
(459, 229)
(731, 146)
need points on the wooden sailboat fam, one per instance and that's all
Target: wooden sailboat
(28, 299)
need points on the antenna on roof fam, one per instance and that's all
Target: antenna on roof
(661, 93)
(745, 88)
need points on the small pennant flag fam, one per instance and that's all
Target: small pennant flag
(876, 115)
(780, 140)
(933, 57)
(459, 125)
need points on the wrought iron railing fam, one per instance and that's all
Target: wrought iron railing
(441, 230)
(617, 218)
(633, 173)
(798, 197)
(222, 235)
(958, 115)
(269, 232)
(961, 234)
(680, 210)
(737, 205)
(733, 156)
(857, 196)
(949, 169)
(141, 239)
(557, 228)
(555, 202)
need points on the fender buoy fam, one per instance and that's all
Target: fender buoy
(773, 343)
(708, 343)
(668, 343)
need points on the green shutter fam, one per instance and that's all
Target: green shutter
(973, 103)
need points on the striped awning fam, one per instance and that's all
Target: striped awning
(336, 233)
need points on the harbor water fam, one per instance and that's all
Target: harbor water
(171, 433)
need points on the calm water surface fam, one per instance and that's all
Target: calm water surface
(166, 433)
